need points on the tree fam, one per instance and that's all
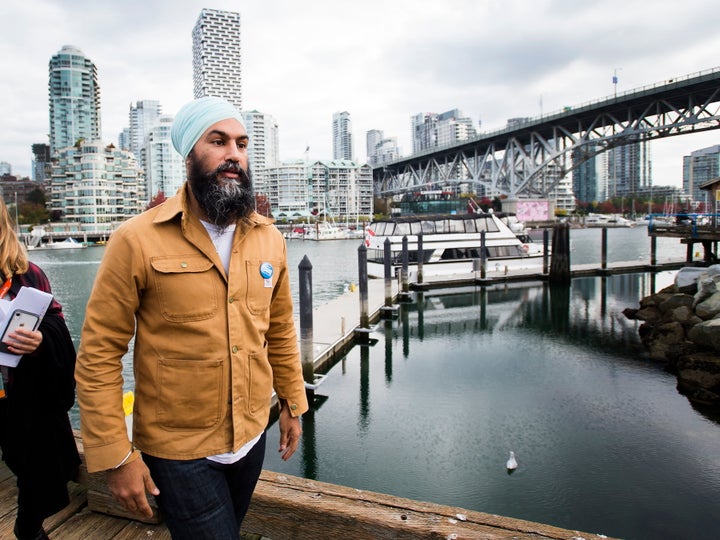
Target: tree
(262, 205)
(159, 198)
(36, 196)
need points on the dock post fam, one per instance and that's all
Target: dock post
(420, 257)
(603, 248)
(388, 274)
(546, 250)
(403, 296)
(364, 329)
(653, 250)
(483, 256)
(560, 265)
(388, 310)
(306, 325)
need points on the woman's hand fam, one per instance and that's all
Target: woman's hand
(23, 341)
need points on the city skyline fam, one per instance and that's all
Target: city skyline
(302, 63)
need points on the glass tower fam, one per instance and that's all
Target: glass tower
(74, 99)
(216, 56)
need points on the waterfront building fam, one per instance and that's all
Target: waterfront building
(74, 99)
(341, 189)
(217, 58)
(628, 169)
(342, 136)
(41, 164)
(381, 149)
(264, 146)
(124, 139)
(96, 186)
(14, 189)
(699, 167)
(432, 130)
(164, 167)
(143, 116)
(589, 175)
(5, 168)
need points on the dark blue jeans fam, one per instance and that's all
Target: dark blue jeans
(204, 500)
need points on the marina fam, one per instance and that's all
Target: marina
(447, 458)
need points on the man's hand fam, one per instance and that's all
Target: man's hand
(290, 432)
(128, 485)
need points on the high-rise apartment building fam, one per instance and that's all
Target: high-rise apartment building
(164, 167)
(700, 166)
(342, 136)
(628, 169)
(217, 58)
(381, 149)
(144, 115)
(74, 99)
(41, 164)
(263, 149)
(432, 130)
(590, 175)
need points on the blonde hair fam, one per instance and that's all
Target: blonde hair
(13, 259)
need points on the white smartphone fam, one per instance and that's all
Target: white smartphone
(18, 319)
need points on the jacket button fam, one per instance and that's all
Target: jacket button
(183, 265)
(293, 406)
(231, 300)
(234, 349)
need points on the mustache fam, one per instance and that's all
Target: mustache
(232, 167)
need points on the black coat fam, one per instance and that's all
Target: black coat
(35, 433)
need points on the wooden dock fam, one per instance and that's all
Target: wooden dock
(287, 507)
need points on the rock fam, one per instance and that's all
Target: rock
(675, 301)
(685, 316)
(665, 337)
(706, 334)
(649, 314)
(688, 276)
(699, 377)
(709, 307)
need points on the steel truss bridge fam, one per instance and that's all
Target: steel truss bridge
(528, 160)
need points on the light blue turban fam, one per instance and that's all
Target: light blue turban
(193, 119)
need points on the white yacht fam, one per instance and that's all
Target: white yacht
(608, 220)
(451, 244)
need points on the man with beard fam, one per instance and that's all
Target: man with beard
(201, 282)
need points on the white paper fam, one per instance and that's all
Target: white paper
(28, 299)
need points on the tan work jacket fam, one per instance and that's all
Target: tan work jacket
(208, 350)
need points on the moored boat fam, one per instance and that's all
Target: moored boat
(451, 244)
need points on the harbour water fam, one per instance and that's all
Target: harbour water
(604, 442)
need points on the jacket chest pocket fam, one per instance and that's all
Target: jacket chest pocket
(259, 287)
(187, 288)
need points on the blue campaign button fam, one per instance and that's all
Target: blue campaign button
(266, 270)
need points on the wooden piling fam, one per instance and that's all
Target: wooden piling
(307, 354)
(560, 264)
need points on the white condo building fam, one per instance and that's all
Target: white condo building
(165, 168)
(217, 58)
(143, 116)
(264, 147)
(342, 136)
(96, 186)
(432, 130)
(337, 188)
(74, 99)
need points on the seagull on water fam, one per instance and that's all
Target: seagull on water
(512, 462)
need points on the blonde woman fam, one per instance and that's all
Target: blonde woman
(35, 434)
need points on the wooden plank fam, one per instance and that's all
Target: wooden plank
(89, 525)
(295, 508)
(105, 503)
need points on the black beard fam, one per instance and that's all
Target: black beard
(223, 201)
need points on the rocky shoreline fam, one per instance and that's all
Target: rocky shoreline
(681, 327)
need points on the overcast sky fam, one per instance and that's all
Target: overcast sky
(382, 61)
